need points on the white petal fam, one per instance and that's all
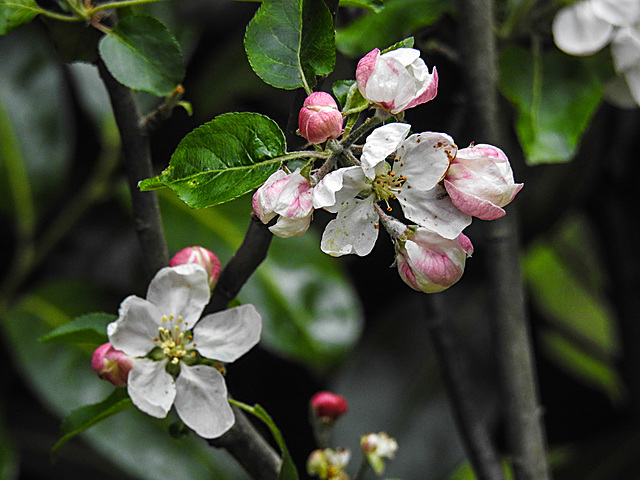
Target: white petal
(424, 159)
(150, 387)
(577, 30)
(180, 291)
(382, 142)
(294, 200)
(617, 12)
(433, 210)
(354, 230)
(625, 49)
(136, 327)
(229, 334)
(632, 77)
(290, 227)
(337, 187)
(406, 56)
(201, 401)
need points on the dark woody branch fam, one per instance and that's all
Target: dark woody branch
(242, 440)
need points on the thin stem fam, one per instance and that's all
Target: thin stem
(362, 469)
(137, 157)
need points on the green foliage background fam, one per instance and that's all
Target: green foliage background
(349, 325)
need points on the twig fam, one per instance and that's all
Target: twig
(525, 432)
(241, 266)
(249, 448)
(472, 425)
(137, 159)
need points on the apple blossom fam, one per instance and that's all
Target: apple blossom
(396, 80)
(587, 26)
(171, 345)
(428, 262)
(289, 196)
(201, 256)
(376, 447)
(319, 118)
(419, 165)
(329, 463)
(480, 181)
(111, 364)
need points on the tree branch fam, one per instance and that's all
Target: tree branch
(137, 160)
(473, 425)
(525, 431)
(241, 266)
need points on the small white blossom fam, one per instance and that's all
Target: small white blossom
(166, 337)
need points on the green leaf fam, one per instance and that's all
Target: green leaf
(88, 416)
(288, 469)
(563, 277)
(142, 54)
(89, 328)
(289, 42)
(340, 90)
(14, 13)
(355, 102)
(310, 311)
(373, 5)
(554, 111)
(398, 20)
(406, 43)
(223, 159)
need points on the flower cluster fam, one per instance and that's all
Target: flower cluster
(587, 26)
(439, 187)
(167, 355)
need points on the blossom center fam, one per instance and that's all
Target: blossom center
(388, 185)
(172, 339)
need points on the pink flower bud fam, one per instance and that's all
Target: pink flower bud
(430, 263)
(320, 118)
(328, 406)
(288, 195)
(111, 364)
(201, 256)
(396, 80)
(480, 181)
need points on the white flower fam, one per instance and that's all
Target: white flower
(396, 80)
(166, 336)
(420, 163)
(289, 196)
(585, 27)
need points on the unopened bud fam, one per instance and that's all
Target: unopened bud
(111, 364)
(201, 256)
(328, 406)
(320, 118)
